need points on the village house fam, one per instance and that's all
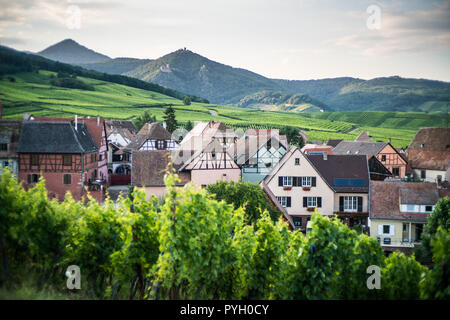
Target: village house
(383, 151)
(149, 169)
(332, 184)
(119, 134)
(152, 137)
(202, 134)
(399, 211)
(64, 154)
(211, 165)
(429, 154)
(97, 130)
(9, 139)
(258, 152)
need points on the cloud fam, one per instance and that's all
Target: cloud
(407, 31)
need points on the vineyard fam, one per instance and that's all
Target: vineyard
(34, 93)
(191, 246)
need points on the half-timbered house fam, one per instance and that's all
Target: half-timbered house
(62, 153)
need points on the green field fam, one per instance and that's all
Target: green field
(32, 92)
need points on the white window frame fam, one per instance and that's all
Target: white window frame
(287, 181)
(282, 201)
(350, 204)
(311, 202)
(306, 181)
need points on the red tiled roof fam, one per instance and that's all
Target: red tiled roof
(386, 197)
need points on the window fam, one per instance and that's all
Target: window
(67, 179)
(34, 159)
(100, 157)
(3, 147)
(160, 144)
(405, 226)
(33, 178)
(67, 160)
(386, 229)
(383, 157)
(351, 204)
(297, 161)
(423, 174)
(312, 202)
(410, 208)
(284, 201)
(428, 208)
(306, 181)
(287, 181)
(396, 171)
(297, 222)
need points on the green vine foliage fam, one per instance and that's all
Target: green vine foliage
(192, 245)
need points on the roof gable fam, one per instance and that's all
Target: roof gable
(55, 137)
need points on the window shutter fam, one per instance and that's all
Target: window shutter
(341, 204)
(305, 202)
(294, 181)
(288, 200)
(391, 230)
(313, 181)
(360, 204)
(380, 229)
(280, 181)
(319, 202)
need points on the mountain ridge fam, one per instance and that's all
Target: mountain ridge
(187, 71)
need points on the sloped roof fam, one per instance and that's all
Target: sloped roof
(213, 157)
(386, 197)
(149, 131)
(248, 145)
(334, 142)
(343, 173)
(55, 137)
(149, 168)
(430, 149)
(111, 125)
(432, 139)
(359, 147)
(363, 137)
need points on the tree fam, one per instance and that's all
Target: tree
(189, 125)
(247, 195)
(401, 276)
(436, 285)
(145, 117)
(440, 217)
(169, 118)
(186, 101)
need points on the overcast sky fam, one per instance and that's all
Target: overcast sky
(289, 39)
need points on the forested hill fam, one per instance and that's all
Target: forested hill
(12, 61)
(189, 72)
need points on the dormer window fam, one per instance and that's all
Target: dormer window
(160, 144)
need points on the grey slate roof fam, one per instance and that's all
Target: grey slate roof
(55, 137)
(359, 147)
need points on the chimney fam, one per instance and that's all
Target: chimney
(389, 139)
(164, 125)
(98, 121)
(325, 156)
(76, 122)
